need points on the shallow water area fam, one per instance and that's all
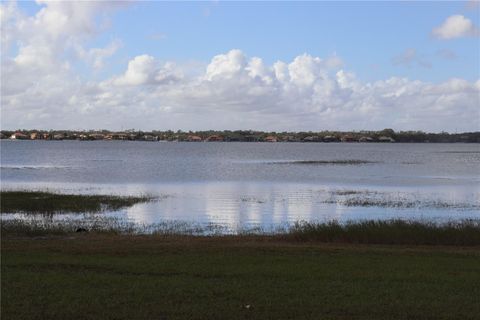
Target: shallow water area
(250, 185)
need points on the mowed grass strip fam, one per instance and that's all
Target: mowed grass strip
(94, 276)
(40, 202)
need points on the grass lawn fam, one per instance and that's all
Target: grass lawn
(107, 276)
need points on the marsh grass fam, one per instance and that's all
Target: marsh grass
(392, 232)
(389, 232)
(46, 227)
(43, 202)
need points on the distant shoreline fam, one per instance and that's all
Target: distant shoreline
(185, 141)
(383, 136)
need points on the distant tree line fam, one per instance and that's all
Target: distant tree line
(386, 135)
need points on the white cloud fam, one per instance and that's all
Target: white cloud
(144, 69)
(455, 26)
(44, 90)
(239, 92)
(97, 56)
(226, 65)
(47, 41)
(139, 71)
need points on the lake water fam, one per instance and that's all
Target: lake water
(243, 185)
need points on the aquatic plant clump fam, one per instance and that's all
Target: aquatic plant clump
(324, 162)
(42, 202)
(367, 198)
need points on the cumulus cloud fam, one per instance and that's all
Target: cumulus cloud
(455, 26)
(46, 44)
(96, 56)
(144, 69)
(236, 91)
(225, 66)
(231, 91)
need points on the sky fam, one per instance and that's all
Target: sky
(272, 66)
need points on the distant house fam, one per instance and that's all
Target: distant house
(365, 139)
(385, 139)
(348, 138)
(120, 136)
(311, 139)
(35, 136)
(19, 136)
(329, 139)
(58, 136)
(149, 137)
(250, 138)
(214, 138)
(270, 139)
(194, 139)
(290, 139)
(83, 137)
(96, 136)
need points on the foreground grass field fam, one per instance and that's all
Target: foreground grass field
(106, 276)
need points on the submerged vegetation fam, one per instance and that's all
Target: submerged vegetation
(390, 232)
(325, 162)
(42, 202)
(397, 200)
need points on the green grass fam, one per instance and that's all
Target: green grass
(357, 270)
(98, 276)
(48, 202)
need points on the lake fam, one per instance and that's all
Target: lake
(245, 185)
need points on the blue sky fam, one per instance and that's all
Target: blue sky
(366, 35)
(275, 65)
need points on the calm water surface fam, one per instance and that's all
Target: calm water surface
(240, 185)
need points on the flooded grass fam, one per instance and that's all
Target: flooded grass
(391, 232)
(46, 227)
(396, 232)
(367, 198)
(347, 192)
(402, 203)
(44, 202)
(459, 151)
(325, 162)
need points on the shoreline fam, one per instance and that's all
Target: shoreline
(368, 232)
(40, 212)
